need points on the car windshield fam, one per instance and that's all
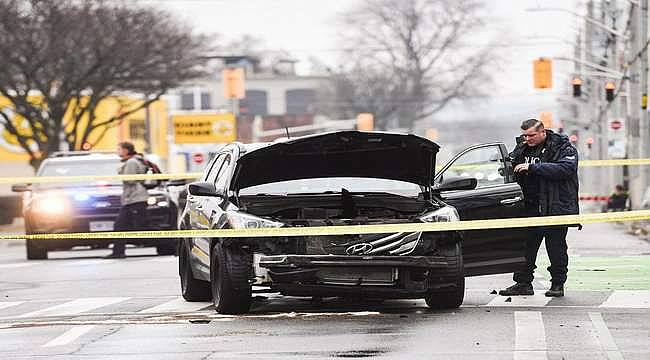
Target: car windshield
(335, 185)
(80, 168)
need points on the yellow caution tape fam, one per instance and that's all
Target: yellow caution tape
(352, 229)
(96, 178)
(614, 162)
(183, 176)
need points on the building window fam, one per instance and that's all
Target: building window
(137, 129)
(255, 103)
(300, 101)
(187, 101)
(206, 101)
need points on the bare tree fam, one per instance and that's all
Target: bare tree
(61, 59)
(408, 59)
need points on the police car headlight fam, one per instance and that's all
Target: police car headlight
(444, 214)
(51, 205)
(239, 220)
(159, 201)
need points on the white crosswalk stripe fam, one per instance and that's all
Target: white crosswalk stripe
(75, 307)
(17, 265)
(69, 336)
(605, 338)
(6, 304)
(177, 305)
(637, 299)
(530, 336)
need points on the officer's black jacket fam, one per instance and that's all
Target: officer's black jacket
(558, 174)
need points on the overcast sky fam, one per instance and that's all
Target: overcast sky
(308, 28)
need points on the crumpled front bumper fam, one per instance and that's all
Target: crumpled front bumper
(366, 276)
(296, 261)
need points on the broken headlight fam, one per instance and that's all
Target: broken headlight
(239, 220)
(444, 214)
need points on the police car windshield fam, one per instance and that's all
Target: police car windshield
(80, 168)
(334, 185)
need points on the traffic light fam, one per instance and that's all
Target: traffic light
(609, 91)
(577, 87)
(543, 73)
(365, 122)
(644, 101)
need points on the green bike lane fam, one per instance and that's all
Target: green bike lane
(604, 257)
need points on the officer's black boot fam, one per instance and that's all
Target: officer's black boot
(518, 289)
(556, 290)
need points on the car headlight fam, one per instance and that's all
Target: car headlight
(159, 201)
(239, 220)
(51, 205)
(444, 214)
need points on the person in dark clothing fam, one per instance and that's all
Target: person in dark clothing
(133, 213)
(618, 200)
(546, 167)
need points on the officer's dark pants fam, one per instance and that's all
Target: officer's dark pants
(556, 247)
(132, 217)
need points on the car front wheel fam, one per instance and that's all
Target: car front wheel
(229, 272)
(449, 297)
(34, 251)
(192, 289)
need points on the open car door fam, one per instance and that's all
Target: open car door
(496, 196)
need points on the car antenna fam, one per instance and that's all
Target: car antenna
(286, 128)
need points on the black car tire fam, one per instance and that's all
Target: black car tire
(192, 289)
(35, 252)
(229, 271)
(449, 298)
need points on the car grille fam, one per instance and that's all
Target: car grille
(370, 244)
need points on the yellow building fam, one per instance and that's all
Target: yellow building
(15, 162)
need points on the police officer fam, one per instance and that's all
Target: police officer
(546, 167)
(133, 213)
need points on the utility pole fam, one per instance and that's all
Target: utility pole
(591, 108)
(643, 122)
(631, 177)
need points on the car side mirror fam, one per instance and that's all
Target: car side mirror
(20, 187)
(457, 183)
(204, 189)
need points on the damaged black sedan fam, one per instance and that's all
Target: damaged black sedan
(348, 178)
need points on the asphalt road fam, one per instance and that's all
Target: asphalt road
(79, 306)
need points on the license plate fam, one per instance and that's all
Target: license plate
(101, 225)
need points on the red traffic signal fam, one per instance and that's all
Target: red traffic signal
(609, 91)
(577, 86)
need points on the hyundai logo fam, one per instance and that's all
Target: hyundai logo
(359, 249)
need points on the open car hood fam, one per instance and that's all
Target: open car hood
(393, 156)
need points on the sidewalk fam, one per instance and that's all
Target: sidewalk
(605, 239)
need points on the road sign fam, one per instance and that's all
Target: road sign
(233, 83)
(204, 128)
(546, 117)
(198, 158)
(543, 73)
